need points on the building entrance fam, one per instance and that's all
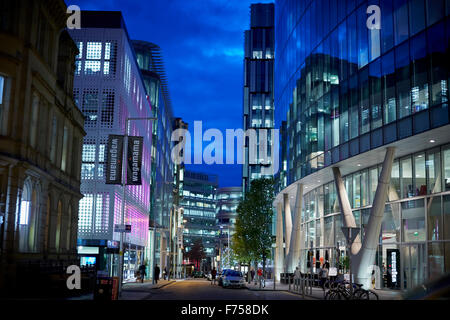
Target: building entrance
(414, 265)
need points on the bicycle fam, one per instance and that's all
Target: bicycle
(363, 294)
(340, 291)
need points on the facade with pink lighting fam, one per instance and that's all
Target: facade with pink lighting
(108, 88)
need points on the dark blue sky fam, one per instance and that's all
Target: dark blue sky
(202, 45)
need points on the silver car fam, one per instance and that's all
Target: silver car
(233, 279)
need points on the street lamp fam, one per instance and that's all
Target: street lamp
(124, 171)
(228, 243)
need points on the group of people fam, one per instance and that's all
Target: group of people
(322, 273)
(259, 277)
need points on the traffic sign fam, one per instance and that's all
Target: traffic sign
(350, 233)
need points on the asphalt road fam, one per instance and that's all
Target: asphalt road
(203, 290)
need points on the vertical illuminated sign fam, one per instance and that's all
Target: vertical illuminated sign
(114, 152)
(134, 163)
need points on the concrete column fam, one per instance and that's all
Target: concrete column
(346, 209)
(287, 221)
(279, 252)
(294, 250)
(366, 257)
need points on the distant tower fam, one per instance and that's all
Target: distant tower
(258, 82)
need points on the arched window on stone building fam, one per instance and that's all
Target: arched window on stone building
(69, 227)
(58, 227)
(47, 225)
(28, 212)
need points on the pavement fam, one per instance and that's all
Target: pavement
(132, 290)
(318, 293)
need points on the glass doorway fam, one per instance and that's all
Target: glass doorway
(414, 265)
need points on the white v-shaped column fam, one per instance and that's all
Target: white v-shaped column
(279, 250)
(293, 255)
(363, 255)
(287, 221)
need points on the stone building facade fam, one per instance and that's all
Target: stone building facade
(41, 134)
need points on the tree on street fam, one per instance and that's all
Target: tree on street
(252, 240)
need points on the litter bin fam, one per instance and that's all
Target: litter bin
(103, 289)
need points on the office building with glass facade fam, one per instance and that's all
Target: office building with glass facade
(346, 92)
(258, 88)
(149, 59)
(228, 199)
(109, 89)
(199, 214)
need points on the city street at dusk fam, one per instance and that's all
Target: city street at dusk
(288, 153)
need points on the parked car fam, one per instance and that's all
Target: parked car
(220, 276)
(233, 279)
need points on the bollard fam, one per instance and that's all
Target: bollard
(311, 283)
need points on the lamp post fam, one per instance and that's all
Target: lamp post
(124, 172)
(228, 243)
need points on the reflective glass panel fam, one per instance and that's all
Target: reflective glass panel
(413, 218)
(435, 225)
(420, 175)
(406, 179)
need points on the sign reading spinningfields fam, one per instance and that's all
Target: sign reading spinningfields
(114, 152)
(134, 163)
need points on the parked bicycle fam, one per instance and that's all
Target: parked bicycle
(340, 290)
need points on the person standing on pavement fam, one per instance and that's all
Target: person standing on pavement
(296, 277)
(142, 272)
(156, 274)
(252, 274)
(213, 276)
(261, 278)
(324, 276)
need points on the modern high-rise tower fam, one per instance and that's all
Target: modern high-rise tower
(258, 86)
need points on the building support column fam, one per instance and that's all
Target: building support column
(294, 249)
(279, 251)
(346, 209)
(366, 257)
(287, 221)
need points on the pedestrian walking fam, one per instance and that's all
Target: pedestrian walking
(165, 273)
(324, 276)
(252, 274)
(142, 272)
(261, 278)
(296, 277)
(213, 276)
(156, 274)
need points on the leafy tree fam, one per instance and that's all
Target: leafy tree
(252, 240)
